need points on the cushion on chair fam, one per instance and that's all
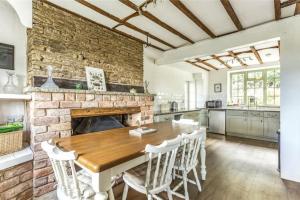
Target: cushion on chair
(137, 176)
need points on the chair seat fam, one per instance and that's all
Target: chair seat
(85, 187)
(136, 177)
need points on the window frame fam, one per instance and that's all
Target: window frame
(264, 79)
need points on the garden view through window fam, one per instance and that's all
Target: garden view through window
(257, 87)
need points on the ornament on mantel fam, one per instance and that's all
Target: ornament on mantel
(50, 84)
(146, 85)
(10, 87)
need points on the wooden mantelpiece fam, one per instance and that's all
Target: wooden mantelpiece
(92, 112)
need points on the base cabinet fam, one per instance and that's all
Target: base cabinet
(271, 126)
(253, 124)
(236, 124)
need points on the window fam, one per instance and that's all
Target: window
(259, 87)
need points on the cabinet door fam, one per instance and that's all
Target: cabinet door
(236, 124)
(255, 126)
(271, 125)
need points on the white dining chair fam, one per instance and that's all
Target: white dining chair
(187, 160)
(155, 176)
(71, 185)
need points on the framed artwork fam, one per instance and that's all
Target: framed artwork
(218, 87)
(95, 79)
(7, 56)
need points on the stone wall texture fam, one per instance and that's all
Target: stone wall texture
(69, 43)
(16, 182)
(50, 117)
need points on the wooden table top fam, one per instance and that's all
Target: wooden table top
(102, 150)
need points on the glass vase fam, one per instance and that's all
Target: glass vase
(10, 87)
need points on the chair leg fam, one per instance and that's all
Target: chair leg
(197, 179)
(111, 194)
(125, 191)
(170, 197)
(149, 197)
(186, 192)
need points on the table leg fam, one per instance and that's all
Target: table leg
(101, 183)
(203, 158)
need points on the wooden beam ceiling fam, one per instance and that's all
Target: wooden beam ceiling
(125, 19)
(277, 8)
(221, 61)
(156, 20)
(229, 9)
(197, 65)
(114, 30)
(178, 4)
(297, 9)
(131, 26)
(237, 58)
(206, 64)
(254, 51)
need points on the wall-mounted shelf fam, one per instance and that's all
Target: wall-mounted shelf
(15, 97)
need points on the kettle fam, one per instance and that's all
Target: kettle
(174, 106)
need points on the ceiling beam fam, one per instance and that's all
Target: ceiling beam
(131, 26)
(297, 9)
(197, 65)
(277, 7)
(127, 18)
(108, 28)
(230, 11)
(156, 20)
(237, 58)
(254, 51)
(178, 4)
(221, 61)
(288, 3)
(206, 64)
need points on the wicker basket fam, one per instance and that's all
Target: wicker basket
(11, 142)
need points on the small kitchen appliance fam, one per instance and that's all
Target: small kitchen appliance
(214, 104)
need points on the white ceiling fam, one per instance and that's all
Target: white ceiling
(210, 12)
(267, 50)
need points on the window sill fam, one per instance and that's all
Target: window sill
(15, 158)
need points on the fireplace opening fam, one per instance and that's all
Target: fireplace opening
(85, 125)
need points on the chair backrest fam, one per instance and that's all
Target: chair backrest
(64, 169)
(186, 121)
(190, 148)
(161, 163)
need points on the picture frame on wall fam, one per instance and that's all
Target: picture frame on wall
(217, 87)
(95, 79)
(7, 54)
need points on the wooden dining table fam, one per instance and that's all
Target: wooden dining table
(106, 154)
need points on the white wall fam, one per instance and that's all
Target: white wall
(14, 33)
(171, 79)
(290, 103)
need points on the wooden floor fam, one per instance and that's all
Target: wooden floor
(237, 169)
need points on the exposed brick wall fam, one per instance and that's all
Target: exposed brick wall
(50, 117)
(16, 182)
(69, 43)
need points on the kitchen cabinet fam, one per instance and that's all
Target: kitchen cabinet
(237, 124)
(253, 124)
(271, 124)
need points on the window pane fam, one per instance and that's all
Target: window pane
(277, 73)
(251, 75)
(234, 93)
(270, 74)
(277, 91)
(270, 100)
(250, 92)
(270, 83)
(277, 101)
(270, 92)
(258, 75)
(277, 83)
(259, 84)
(250, 84)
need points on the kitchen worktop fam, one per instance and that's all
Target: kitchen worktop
(167, 112)
(266, 109)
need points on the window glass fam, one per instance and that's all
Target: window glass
(261, 87)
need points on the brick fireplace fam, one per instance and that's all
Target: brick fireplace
(50, 117)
